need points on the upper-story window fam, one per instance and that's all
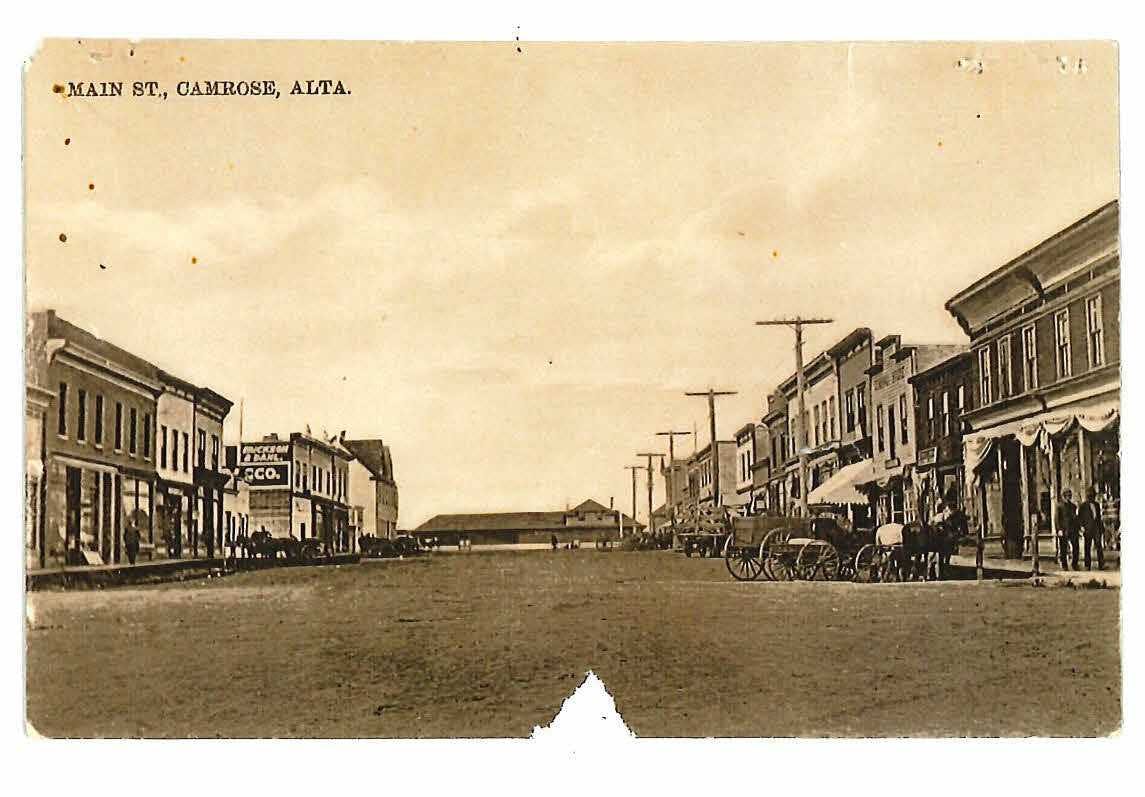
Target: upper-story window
(163, 446)
(861, 407)
(985, 377)
(879, 424)
(831, 413)
(1030, 357)
(930, 415)
(961, 405)
(903, 415)
(201, 448)
(1005, 374)
(186, 452)
(214, 452)
(174, 449)
(133, 420)
(817, 427)
(147, 435)
(849, 410)
(946, 412)
(62, 410)
(98, 419)
(81, 415)
(119, 426)
(1094, 331)
(1063, 355)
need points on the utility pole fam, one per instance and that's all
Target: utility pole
(670, 484)
(634, 468)
(651, 528)
(797, 324)
(711, 396)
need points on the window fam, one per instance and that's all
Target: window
(861, 407)
(81, 416)
(903, 418)
(174, 450)
(946, 412)
(201, 450)
(961, 399)
(62, 411)
(831, 412)
(1029, 357)
(147, 435)
(186, 451)
(214, 452)
(985, 381)
(849, 409)
(1005, 374)
(816, 409)
(297, 475)
(99, 419)
(163, 446)
(118, 426)
(1062, 344)
(1094, 331)
(930, 415)
(131, 425)
(891, 431)
(879, 424)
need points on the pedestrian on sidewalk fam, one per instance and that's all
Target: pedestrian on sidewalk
(554, 542)
(1089, 518)
(1068, 529)
(131, 541)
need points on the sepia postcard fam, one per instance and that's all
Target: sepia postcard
(439, 390)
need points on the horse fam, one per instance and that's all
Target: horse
(921, 550)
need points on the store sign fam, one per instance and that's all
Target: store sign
(265, 464)
(928, 456)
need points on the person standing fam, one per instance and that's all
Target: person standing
(1092, 527)
(1068, 528)
(131, 541)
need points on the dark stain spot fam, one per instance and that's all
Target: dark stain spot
(57, 88)
(977, 116)
(102, 266)
(63, 238)
(131, 52)
(91, 186)
(194, 260)
(67, 141)
(740, 233)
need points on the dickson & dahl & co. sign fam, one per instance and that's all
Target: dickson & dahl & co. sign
(265, 464)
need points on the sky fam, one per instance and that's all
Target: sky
(511, 265)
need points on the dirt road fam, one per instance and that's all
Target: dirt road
(489, 644)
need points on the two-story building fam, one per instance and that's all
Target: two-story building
(943, 393)
(745, 439)
(372, 486)
(175, 490)
(891, 488)
(702, 474)
(98, 450)
(1045, 334)
(780, 453)
(209, 474)
(299, 487)
(37, 402)
(236, 502)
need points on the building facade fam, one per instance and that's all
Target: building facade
(943, 393)
(1044, 331)
(209, 475)
(37, 402)
(745, 439)
(779, 454)
(299, 487)
(175, 503)
(372, 485)
(588, 521)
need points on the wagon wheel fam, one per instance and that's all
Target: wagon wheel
(743, 563)
(867, 564)
(775, 567)
(818, 560)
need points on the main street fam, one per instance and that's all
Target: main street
(490, 644)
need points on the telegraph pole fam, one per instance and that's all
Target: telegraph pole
(650, 456)
(633, 468)
(711, 396)
(669, 485)
(797, 324)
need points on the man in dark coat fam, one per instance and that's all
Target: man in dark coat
(1068, 529)
(1092, 527)
(131, 541)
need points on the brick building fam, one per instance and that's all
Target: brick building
(1045, 334)
(943, 393)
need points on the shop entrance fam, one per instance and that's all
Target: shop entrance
(1012, 510)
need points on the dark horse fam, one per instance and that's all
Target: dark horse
(927, 547)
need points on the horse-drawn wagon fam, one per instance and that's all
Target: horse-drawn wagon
(778, 548)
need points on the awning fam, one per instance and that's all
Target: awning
(840, 488)
(1039, 429)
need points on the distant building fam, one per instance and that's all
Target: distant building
(745, 439)
(372, 485)
(943, 393)
(701, 474)
(586, 522)
(37, 401)
(299, 487)
(780, 454)
(236, 502)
